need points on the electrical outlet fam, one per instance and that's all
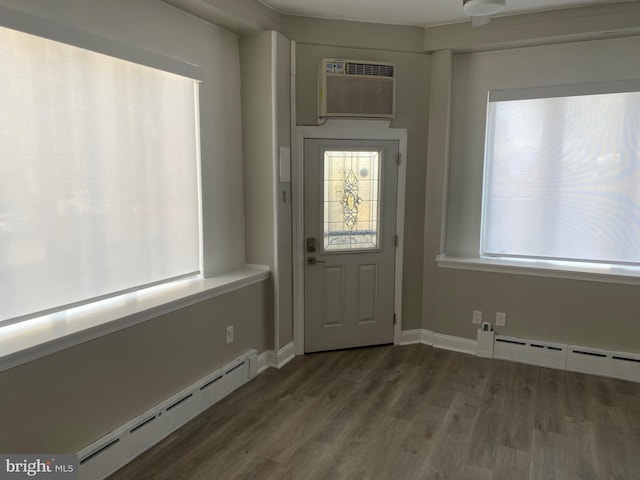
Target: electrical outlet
(230, 334)
(477, 317)
(501, 319)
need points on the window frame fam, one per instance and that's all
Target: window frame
(561, 268)
(38, 337)
(91, 42)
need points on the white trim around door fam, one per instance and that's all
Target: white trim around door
(342, 130)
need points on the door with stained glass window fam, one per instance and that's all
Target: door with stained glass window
(350, 202)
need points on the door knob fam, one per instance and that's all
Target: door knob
(313, 261)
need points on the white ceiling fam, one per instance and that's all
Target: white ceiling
(409, 12)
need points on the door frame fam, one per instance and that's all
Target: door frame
(342, 130)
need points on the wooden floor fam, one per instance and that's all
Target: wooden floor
(410, 412)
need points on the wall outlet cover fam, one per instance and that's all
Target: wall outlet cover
(230, 334)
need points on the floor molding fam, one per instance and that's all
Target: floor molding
(271, 359)
(409, 337)
(456, 344)
(438, 340)
(574, 358)
(266, 359)
(285, 355)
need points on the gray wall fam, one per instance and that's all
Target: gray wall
(265, 60)
(601, 315)
(437, 176)
(317, 39)
(579, 312)
(341, 33)
(258, 147)
(65, 401)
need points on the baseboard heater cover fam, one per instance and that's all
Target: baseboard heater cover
(116, 449)
(534, 352)
(624, 366)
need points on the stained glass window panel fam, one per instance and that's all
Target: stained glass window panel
(351, 200)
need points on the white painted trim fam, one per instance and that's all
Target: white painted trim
(400, 209)
(266, 359)
(275, 175)
(409, 337)
(456, 344)
(438, 340)
(297, 214)
(342, 130)
(427, 337)
(118, 447)
(606, 363)
(285, 355)
(297, 227)
(271, 359)
(32, 339)
(539, 268)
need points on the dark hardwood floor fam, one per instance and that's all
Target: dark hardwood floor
(412, 412)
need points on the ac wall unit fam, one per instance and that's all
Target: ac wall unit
(352, 88)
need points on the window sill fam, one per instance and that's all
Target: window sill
(35, 338)
(574, 271)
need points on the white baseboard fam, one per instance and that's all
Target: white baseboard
(438, 340)
(117, 448)
(620, 365)
(409, 337)
(285, 355)
(456, 344)
(266, 359)
(271, 359)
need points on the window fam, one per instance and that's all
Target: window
(99, 190)
(562, 174)
(351, 200)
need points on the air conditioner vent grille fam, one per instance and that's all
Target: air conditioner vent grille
(356, 88)
(359, 95)
(372, 69)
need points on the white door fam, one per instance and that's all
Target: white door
(350, 205)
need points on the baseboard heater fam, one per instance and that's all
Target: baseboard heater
(624, 366)
(544, 354)
(116, 449)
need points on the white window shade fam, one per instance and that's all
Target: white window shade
(562, 175)
(99, 176)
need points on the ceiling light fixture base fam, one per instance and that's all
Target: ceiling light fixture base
(480, 8)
